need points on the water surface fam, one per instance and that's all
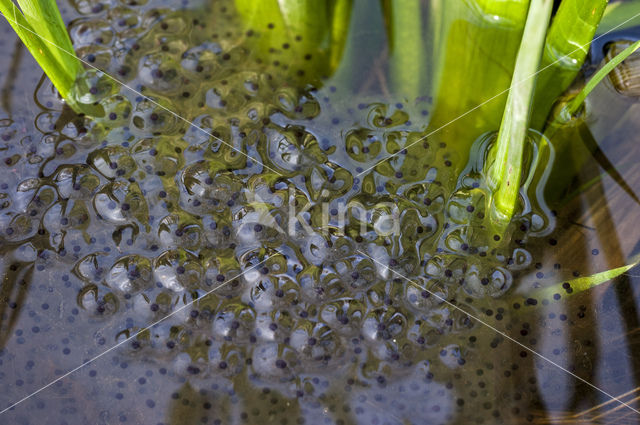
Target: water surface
(162, 249)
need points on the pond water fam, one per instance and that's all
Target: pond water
(258, 231)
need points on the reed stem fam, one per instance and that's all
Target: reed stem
(406, 47)
(40, 27)
(565, 51)
(505, 174)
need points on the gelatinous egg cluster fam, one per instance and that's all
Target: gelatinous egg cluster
(251, 226)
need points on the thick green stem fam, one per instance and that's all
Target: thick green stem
(505, 174)
(309, 36)
(565, 50)
(563, 114)
(472, 46)
(475, 44)
(406, 61)
(340, 23)
(43, 32)
(573, 141)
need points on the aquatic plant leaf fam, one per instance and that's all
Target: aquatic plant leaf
(506, 171)
(348, 48)
(575, 104)
(473, 44)
(340, 23)
(305, 17)
(565, 50)
(42, 30)
(38, 48)
(46, 20)
(570, 132)
(404, 26)
(307, 37)
(584, 283)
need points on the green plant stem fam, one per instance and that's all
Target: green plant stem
(340, 23)
(43, 32)
(474, 52)
(354, 47)
(505, 173)
(45, 17)
(404, 32)
(565, 50)
(314, 32)
(435, 24)
(472, 46)
(574, 105)
(565, 113)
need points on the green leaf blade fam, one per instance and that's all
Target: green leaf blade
(575, 104)
(44, 34)
(506, 171)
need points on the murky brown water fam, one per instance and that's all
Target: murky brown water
(221, 249)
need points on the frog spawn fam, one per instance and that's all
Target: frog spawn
(323, 305)
(281, 343)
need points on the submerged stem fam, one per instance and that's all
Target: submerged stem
(565, 51)
(505, 173)
(404, 28)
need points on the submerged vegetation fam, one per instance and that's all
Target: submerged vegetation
(544, 64)
(231, 202)
(506, 170)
